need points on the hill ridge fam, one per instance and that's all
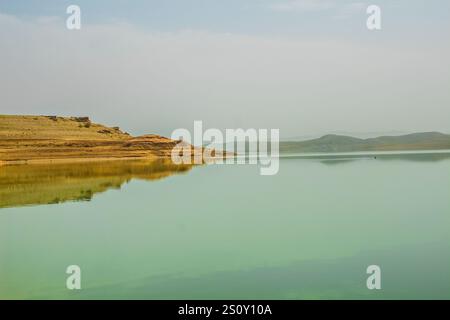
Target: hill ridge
(28, 138)
(432, 140)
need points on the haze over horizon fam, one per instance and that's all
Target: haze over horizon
(307, 67)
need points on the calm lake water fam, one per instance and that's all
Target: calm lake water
(224, 231)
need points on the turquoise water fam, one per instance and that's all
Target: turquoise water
(224, 231)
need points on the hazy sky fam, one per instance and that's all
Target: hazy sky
(306, 67)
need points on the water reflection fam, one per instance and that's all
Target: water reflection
(37, 184)
(334, 159)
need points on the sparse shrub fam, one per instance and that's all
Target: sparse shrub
(82, 119)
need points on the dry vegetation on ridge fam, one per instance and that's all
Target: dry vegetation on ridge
(25, 139)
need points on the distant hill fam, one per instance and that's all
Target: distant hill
(340, 143)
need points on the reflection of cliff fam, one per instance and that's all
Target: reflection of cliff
(22, 185)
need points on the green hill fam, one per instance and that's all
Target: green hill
(339, 143)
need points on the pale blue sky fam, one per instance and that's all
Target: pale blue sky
(306, 67)
(312, 17)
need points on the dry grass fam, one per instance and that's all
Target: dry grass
(52, 127)
(36, 138)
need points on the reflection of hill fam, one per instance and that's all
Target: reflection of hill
(22, 185)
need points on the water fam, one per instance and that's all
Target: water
(224, 231)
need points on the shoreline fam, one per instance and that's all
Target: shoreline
(366, 153)
(74, 160)
(95, 159)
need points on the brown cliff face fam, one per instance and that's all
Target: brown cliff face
(34, 139)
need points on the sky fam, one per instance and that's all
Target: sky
(306, 67)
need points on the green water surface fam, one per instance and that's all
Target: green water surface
(225, 231)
